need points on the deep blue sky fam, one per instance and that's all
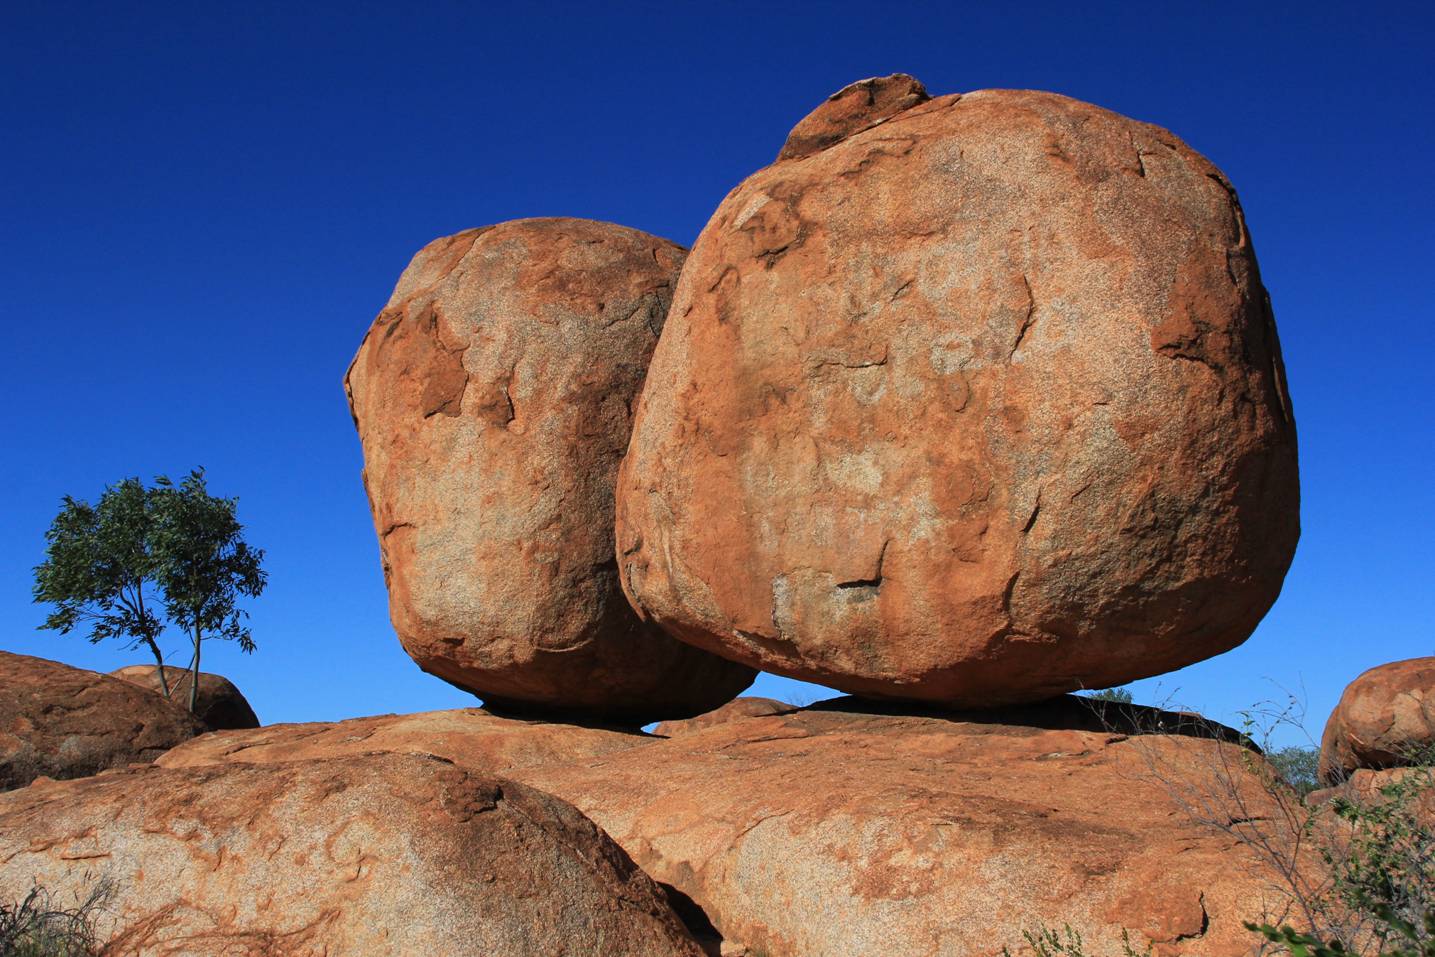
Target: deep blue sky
(202, 207)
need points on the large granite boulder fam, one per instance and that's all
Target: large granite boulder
(63, 722)
(1384, 719)
(469, 737)
(493, 398)
(974, 399)
(364, 856)
(829, 833)
(219, 704)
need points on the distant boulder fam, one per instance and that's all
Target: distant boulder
(219, 704)
(62, 722)
(1385, 719)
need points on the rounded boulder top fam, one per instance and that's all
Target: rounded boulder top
(974, 399)
(493, 400)
(1385, 719)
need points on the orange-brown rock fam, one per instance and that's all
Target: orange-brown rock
(470, 738)
(1384, 719)
(1414, 787)
(856, 107)
(493, 398)
(825, 833)
(219, 704)
(977, 405)
(363, 856)
(734, 710)
(62, 722)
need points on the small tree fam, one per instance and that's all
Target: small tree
(203, 565)
(98, 563)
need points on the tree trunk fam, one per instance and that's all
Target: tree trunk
(194, 671)
(159, 667)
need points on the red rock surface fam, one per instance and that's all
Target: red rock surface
(62, 722)
(734, 710)
(219, 704)
(856, 107)
(492, 395)
(1384, 719)
(978, 405)
(365, 856)
(470, 737)
(829, 834)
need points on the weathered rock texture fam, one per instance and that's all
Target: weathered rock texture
(470, 738)
(734, 710)
(368, 856)
(1385, 719)
(977, 405)
(219, 703)
(829, 834)
(63, 722)
(493, 396)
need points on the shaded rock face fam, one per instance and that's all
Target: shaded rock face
(828, 833)
(977, 405)
(734, 710)
(62, 722)
(376, 855)
(470, 738)
(493, 398)
(219, 703)
(1384, 719)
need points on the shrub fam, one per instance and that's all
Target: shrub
(37, 926)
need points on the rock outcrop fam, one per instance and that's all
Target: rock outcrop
(734, 710)
(1384, 719)
(828, 833)
(219, 704)
(470, 738)
(976, 405)
(365, 856)
(493, 398)
(62, 722)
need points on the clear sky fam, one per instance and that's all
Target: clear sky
(203, 206)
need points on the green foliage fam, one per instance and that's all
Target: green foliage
(175, 538)
(38, 927)
(1403, 939)
(1113, 695)
(98, 564)
(1297, 767)
(1047, 942)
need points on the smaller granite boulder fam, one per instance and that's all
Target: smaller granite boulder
(1385, 719)
(219, 704)
(734, 710)
(62, 722)
(364, 856)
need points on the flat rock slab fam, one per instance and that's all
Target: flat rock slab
(828, 833)
(366, 856)
(62, 722)
(469, 737)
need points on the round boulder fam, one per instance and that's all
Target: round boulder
(218, 704)
(1385, 719)
(62, 722)
(493, 399)
(978, 403)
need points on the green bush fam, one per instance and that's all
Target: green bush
(36, 926)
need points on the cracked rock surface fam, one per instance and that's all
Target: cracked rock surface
(1384, 719)
(367, 856)
(976, 400)
(62, 722)
(493, 398)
